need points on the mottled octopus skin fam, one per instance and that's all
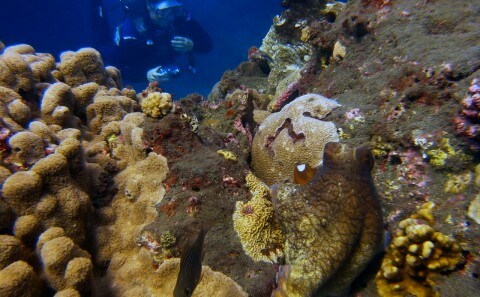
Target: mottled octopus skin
(333, 224)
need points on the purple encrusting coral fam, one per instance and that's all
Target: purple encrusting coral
(467, 122)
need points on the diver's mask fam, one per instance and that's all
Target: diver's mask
(163, 13)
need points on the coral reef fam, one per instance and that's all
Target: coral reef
(108, 106)
(11, 250)
(16, 64)
(256, 225)
(58, 106)
(124, 139)
(402, 105)
(48, 190)
(99, 199)
(286, 57)
(84, 66)
(212, 283)
(27, 148)
(205, 192)
(295, 135)
(19, 279)
(157, 104)
(417, 254)
(139, 188)
(48, 181)
(66, 266)
(337, 213)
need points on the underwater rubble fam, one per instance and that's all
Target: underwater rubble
(102, 186)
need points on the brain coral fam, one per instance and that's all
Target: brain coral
(295, 135)
(333, 224)
(256, 225)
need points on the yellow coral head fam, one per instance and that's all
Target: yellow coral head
(227, 155)
(157, 104)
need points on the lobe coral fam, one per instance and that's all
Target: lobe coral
(333, 224)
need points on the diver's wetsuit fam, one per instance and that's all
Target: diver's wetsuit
(135, 52)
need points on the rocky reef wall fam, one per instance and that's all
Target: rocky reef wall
(362, 117)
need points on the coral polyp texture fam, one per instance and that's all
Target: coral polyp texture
(333, 224)
(84, 66)
(49, 182)
(157, 104)
(417, 255)
(19, 279)
(256, 225)
(295, 135)
(65, 264)
(212, 283)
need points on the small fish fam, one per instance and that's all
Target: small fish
(190, 265)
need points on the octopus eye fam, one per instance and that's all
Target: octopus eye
(303, 173)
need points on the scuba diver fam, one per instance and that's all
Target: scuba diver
(154, 37)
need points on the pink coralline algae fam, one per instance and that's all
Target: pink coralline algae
(354, 115)
(229, 181)
(148, 241)
(288, 95)
(467, 122)
(244, 130)
(230, 138)
(413, 171)
(193, 205)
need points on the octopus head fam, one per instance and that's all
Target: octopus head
(341, 155)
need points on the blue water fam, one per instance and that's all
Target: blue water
(55, 26)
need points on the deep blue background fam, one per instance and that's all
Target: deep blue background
(54, 26)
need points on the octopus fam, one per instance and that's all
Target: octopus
(333, 224)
